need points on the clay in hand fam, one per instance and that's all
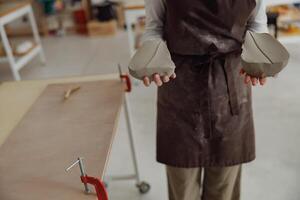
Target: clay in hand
(153, 57)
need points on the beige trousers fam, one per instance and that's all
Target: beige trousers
(219, 183)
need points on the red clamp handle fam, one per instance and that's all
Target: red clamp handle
(126, 78)
(99, 186)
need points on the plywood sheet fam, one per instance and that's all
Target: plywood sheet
(18, 96)
(53, 134)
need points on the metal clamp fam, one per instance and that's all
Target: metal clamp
(82, 171)
(125, 78)
(97, 183)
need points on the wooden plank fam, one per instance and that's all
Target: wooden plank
(52, 134)
(134, 4)
(87, 6)
(135, 7)
(7, 8)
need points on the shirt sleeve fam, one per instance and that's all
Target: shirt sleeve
(155, 16)
(258, 21)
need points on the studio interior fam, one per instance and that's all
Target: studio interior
(149, 100)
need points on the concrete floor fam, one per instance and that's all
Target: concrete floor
(275, 175)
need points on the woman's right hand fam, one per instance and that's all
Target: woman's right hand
(159, 81)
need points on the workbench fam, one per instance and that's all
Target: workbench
(39, 140)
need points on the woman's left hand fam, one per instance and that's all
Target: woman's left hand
(253, 80)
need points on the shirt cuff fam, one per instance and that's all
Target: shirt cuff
(258, 27)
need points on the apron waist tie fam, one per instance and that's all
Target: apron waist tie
(230, 79)
(231, 84)
(229, 73)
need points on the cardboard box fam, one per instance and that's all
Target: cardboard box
(96, 28)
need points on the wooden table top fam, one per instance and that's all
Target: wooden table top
(45, 134)
(17, 97)
(7, 8)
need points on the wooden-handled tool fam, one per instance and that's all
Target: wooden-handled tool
(69, 92)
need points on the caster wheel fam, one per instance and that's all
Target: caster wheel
(143, 187)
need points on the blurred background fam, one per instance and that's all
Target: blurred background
(88, 37)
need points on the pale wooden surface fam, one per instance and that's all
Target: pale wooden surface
(17, 97)
(7, 8)
(53, 133)
(134, 4)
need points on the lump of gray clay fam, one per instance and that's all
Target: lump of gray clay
(152, 57)
(263, 55)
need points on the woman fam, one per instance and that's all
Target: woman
(204, 120)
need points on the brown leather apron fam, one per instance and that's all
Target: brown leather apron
(205, 114)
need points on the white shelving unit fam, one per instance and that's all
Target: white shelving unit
(7, 17)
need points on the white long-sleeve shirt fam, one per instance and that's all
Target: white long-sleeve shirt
(155, 13)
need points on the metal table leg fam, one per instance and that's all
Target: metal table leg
(143, 186)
